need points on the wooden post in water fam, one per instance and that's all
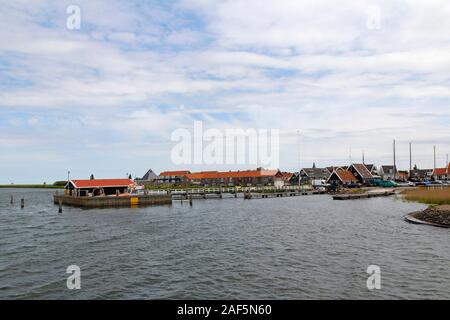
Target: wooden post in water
(12, 199)
(60, 206)
(190, 200)
(22, 203)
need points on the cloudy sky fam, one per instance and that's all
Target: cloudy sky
(104, 99)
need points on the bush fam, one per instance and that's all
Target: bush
(60, 183)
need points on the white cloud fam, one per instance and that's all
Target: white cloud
(290, 65)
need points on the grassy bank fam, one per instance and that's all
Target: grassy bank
(428, 195)
(30, 186)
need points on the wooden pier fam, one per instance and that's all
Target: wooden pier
(282, 194)
(112, 201)
(354, 196)
(241, 192)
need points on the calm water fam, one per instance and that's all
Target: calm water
(291, 248)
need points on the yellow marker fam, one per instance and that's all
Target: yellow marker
(134, 200)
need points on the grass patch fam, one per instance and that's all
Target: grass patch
(429, 195)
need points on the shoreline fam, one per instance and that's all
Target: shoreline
(437, 216)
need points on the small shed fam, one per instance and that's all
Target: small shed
(98, 187)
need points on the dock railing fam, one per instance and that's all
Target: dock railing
(211, 190)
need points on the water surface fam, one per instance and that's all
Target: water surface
(308, 247)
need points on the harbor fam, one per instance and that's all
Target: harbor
(357, 181)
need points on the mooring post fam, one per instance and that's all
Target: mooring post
(22, 203)
(60, 206)
(190, 200)
(12, 199)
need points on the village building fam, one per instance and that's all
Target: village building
(287, 177)
(441, 173)
(361, 173)
(308, 175)
(149, 176)
(97, 187)
(173, 177)
(333, 168)
(418, 175)
(402, 175)
(148, 179)
(294, 180)
(373, 170)
(259, 177)
(388, 172)
(341, 177)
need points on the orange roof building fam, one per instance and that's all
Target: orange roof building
(360, 171)
(341, 176)
(246, 177)
(441, 173)
(174, 173)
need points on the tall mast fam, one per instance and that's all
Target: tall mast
(410, 160)
(434, 155)
(395, 167)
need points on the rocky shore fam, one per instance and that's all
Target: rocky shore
(435, 215)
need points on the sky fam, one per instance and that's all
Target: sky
(335, 78)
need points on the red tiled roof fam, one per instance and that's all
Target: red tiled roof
(174, 173)
(101, 183)
(287, 175)
(232, 174)
(346, 176)
(440, 171)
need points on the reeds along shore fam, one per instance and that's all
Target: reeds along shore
(428, 195)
